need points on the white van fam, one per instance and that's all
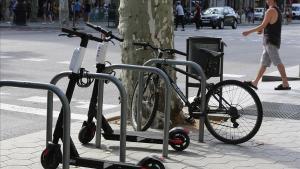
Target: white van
(296, 11)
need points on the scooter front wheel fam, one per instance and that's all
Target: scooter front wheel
(51, 156)
(87, 132)
(151, 163)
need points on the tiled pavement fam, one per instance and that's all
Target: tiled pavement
(276, 145)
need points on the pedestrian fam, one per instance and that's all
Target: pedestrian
(87, 10)
(1, 15)
(179, 15)
(11, 8)
(271, 29)
(47, 11)
(197, 15)
(250, 15)
(77, 9)
(28, 10)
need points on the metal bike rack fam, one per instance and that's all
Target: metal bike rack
(167, 98)
(123, 95)
(66, 107)
(203, 85)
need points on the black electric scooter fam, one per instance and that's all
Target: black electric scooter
(178, 137)
(52, 155)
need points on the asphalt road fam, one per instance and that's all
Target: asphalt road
(39, 55)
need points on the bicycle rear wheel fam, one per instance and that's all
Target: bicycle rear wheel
(234, 112)
(149, 102)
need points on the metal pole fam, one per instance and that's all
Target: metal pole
(49, 117)
(203, 86)
(123, 96)
(99, 113)
(66, 109)
(167, 101)
(139, 105)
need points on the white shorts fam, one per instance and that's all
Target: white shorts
(270, 55)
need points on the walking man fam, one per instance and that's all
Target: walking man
(179, 15)
(271, 29)
(197, 16)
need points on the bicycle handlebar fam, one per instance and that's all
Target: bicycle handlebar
(105, 32)
(81, 34)
(169, 51)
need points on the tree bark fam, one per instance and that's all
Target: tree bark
(146, 21)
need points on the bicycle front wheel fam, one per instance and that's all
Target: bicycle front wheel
(234, 112)
(149, 102)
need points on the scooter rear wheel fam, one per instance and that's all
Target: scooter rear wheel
(179, 140)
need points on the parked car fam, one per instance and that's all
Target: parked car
(259, 14)
(219, 17)
(296, 11)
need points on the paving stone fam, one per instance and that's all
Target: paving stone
(174, 165)
(15, 167)
(273, 166)
(16, 162)
(17, 156)
(4, 158)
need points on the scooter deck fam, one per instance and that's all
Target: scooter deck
(137, 136)
(104, 164)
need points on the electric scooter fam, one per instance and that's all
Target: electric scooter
(178, 137)
(52, 155)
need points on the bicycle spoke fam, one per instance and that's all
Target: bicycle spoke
(231, 116)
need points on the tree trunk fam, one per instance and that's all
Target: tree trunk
(64, 13)
(146, 21)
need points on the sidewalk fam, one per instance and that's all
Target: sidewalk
(43, 26)
(56, 25)
(276, 145)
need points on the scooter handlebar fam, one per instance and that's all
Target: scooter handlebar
(81, 34)
(105, 32)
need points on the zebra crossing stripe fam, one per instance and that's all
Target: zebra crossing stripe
(64, 62)
(37, 99)
(35, 59)
(83, 104)
(37, 111)
(233, 75)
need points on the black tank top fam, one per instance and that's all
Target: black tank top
(272, 33)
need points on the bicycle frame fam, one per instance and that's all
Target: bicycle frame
(180, 93)
(175, 86)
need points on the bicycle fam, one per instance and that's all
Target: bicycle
(228, 118)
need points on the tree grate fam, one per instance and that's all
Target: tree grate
(280, 110)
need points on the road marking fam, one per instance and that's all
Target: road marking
(233, 75)
(64, 62)
(36, 111)
(6, 57)
(43, 112)
(34, 59)
(79, 103)
(4, 93)
(37, 99)
(85, 105)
